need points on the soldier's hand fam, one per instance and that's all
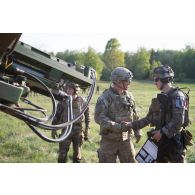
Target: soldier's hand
(125, 126)
(157, 135)
(138, 135)
(128, 124)
(54, 134)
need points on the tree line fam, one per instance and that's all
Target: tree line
(141, 62)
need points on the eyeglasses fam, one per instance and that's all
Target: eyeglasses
(156, 79)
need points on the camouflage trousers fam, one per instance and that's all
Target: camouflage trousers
(171, 150)
(110, 149)
(76, 138)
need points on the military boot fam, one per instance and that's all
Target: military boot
(62, 158)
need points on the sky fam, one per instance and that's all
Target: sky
(76, 25)
(129, 42)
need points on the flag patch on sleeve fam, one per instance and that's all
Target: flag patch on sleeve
(180, 102)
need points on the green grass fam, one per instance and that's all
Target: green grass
(19, 144)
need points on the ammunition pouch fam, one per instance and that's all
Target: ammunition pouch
(178, 140)
(155, 106)
(163, 98)
(187, 138)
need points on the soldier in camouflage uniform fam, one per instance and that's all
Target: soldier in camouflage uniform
(168, 123)
(77, 134)
(114, 106)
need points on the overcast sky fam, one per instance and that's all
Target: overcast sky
(129, 42)
(75, 25)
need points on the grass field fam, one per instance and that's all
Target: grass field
(19, 144)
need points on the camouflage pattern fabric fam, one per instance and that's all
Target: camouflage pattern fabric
(171, 147)
(112, 108)
(121, 74)
(77, 134)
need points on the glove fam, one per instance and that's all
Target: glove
(138, 135)
(54, 134)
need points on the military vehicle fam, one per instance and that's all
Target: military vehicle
(25, 69)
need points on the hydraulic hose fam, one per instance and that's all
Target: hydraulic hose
(33, 122)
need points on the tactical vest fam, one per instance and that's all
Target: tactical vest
(62, 112)
(77, 105)
(119, 107)
(154, 113)
(160, 110)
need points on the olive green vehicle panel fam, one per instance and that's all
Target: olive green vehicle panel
(51, 67)
(10, 93)
(52, 71)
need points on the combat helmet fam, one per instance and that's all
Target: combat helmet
(121, 74)
(163, 72)
(75, 86)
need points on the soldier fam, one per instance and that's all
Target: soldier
(114, 106)
(77, 134)
(167, 114)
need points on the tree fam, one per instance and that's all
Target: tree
(129, 60)
(141, 64)
(92, 59)
(188, 62)
(112, 44)
(112, 56)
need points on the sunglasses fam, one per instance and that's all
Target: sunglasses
(156, 79)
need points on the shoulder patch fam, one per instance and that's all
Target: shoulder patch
(180, 102)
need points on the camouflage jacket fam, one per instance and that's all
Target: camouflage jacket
(112, 107)
(174, 115)
(77, 105)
